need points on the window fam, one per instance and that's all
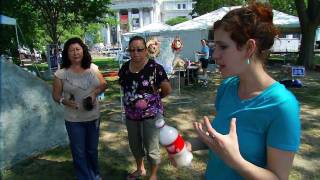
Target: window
(184, 6)
(135, 11)
(210, 35)
(179, 6)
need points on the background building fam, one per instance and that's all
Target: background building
(134, 14)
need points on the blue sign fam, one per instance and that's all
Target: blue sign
(297, 71)
(53, 57)
(101, 96)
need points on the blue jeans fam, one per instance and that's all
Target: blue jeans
(84, 138)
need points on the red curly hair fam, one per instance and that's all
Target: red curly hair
(250, 22)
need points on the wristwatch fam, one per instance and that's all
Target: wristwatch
(61, 100)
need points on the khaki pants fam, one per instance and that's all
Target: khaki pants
(144, 139)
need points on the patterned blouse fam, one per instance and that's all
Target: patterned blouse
(141, 96)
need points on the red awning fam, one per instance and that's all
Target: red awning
(123, 19)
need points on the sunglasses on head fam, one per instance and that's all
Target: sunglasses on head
(138, 50)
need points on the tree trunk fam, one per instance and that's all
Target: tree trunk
(307, 46)
(55, 37)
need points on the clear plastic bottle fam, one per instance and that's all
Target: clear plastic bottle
(174, 143)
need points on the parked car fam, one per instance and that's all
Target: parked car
(111, 51)
(24, 53)
(36, 55)
(114, 51)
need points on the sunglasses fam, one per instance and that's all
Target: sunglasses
(137, 50)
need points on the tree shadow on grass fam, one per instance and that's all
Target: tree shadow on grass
(114, 165)
(314, 151)
(298, 173)
(310, 125)
(308, 96)
(116, 160)
(39, 169)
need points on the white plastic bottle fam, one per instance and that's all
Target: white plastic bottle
(174, 143)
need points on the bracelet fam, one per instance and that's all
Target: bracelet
(61, 100)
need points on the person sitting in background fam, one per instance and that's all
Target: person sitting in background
(256, 131)
(76, 87)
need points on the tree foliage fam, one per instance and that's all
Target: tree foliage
(52, 21)
(94, 33)
(68, 13)
(285, 6)
(176, 20)
(205, 6)
(27, 24)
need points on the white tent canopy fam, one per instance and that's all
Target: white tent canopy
(9, 21)
(206, 21)
(284, 20)
(203, 22)
(192, 31)
(150, 29)
(154, 27)
(318, 34)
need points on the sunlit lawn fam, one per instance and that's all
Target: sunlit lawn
(116, 160)
(104, 63)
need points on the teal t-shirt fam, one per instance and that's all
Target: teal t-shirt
(205, 50)
(271, 119)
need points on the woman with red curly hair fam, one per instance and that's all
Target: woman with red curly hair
(256, 131)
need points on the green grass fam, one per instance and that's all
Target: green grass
(116, 160)
(40, 67)
(283, 59)
(106, 64)
(109, 64)
(56, 162)
(103, 63)
(317, 59)
(275, 58)
(291, 58)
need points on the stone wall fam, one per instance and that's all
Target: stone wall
(30, 121)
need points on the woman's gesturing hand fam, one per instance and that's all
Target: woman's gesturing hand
(225, 146)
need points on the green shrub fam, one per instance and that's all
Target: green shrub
(16, 61)
(316, 60)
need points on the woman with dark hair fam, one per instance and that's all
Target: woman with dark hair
(66, 62)
(144, 82)
(76, 87)
(256, 131)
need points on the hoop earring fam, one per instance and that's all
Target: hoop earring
(248, 61)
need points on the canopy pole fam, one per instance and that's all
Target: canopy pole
(17, 36)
